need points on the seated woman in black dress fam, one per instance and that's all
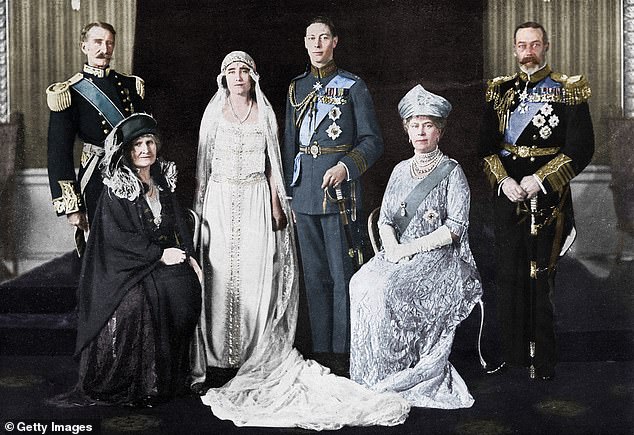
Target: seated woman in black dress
(139, 290)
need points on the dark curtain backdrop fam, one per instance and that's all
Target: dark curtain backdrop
(392, 45)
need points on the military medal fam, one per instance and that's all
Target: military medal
(334, 113)
(334, 131)
(545, 120)
(523, 107)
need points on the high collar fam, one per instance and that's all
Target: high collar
(537, 76)
(97, 72)
(325, 71)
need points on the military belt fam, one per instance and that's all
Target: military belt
(89, 162)
(525, 151)
(316, 150)
(93, 149)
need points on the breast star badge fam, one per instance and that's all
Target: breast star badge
(334, 131)
(334, 113)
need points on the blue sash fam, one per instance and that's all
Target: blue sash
(419, 193)
(310, 122)
(519, 121)
(99, 101)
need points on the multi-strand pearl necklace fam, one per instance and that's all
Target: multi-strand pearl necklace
(423, 164)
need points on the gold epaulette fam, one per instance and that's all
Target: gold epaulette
(58, 94)
(140, 84)
(493, 86)
(576, 88)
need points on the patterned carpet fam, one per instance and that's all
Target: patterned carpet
(585, 398)
(592, 393)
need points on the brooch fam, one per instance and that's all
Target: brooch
(430, 215)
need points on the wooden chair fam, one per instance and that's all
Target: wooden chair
(373, 230)
(193, 221)
(375, 240)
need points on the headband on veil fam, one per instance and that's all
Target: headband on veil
(209, 126)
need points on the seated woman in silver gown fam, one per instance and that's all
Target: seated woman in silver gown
(407, 302)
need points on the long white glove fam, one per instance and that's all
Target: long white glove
(388, 236)
(437, 238)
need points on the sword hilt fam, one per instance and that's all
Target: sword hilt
(533, 205)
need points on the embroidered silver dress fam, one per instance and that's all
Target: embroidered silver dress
(404, 315)
(238, 243)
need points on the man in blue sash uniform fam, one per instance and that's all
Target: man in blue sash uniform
(331, 138)
(536, 136)
(88, 106)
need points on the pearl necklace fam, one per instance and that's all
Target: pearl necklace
(235, 115)
(423, 164)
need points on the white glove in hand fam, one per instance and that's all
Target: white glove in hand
(390, 244)
(439, 237)
(388, 236)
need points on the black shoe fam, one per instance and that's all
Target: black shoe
(497, 369)
(146, 402)
(545, 373)
(199, 389)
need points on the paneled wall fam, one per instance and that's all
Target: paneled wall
(44, 48)
(628, 61)
(585, 38)
(392, 45)
(4, 56)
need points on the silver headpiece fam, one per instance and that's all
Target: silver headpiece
(237, 56)
(419, 101)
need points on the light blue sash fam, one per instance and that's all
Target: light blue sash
(310, 122)
(519, 121)
(99, 100)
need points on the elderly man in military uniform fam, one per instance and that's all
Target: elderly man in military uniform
(536, 136)
(88, 106)
(331, 138)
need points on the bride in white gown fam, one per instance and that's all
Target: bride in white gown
(250, 290)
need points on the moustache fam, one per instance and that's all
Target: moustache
(528, 59)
